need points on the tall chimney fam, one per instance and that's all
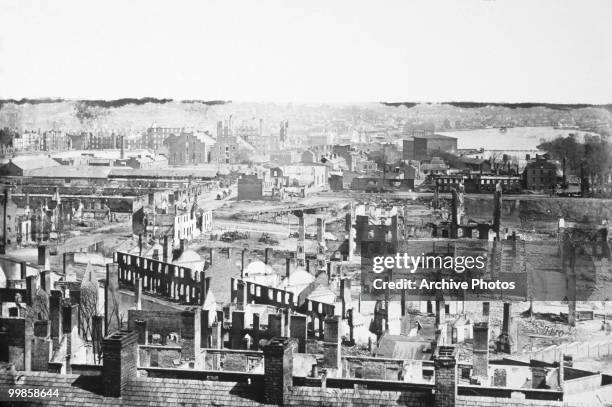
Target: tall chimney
(242, 263)
(119, 361)
(166, 249)
(5, 217)
(331, 344)
(301, 242)
(481, 350)
(497, 202)
(278, 370)
(267, 252)
(445, 369)
(287, 267)
(503, 343)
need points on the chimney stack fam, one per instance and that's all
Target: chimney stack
(278, 370)
(119, 361)
(503, 343)
(43, 257)
(497, 202)
(331, 344)
(481, 350)
(445, 372)
(166, 249)
(287, 267)
(267, 252)
(242, 263)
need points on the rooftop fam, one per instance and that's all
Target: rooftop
(31, 162)
(66, 171)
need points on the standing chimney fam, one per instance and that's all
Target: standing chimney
(5, 217)
(119, 361)
(301, 243)
(278, 370)
(331, 344)
(481, 350)
(267, 251)
(242, 263)
(166, 249)
(454, 214)
(445, 372)
(43, 257)
(503, 343)
(497, 202)
(287, 267)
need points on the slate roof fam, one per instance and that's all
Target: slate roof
(86, 391)
(163, 172)
(66, 171)
(31, 162)
(79, 391)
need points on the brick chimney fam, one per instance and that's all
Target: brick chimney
(331, 344)
(267, 252)
(445, 368)
(119, 361)
(287, 267)
(278, 370)
(43, 257)
(166, 249)
(503, 342)
(481, 349)
(242, 255)
(56, 317)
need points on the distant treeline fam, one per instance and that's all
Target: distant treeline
(29, 101)
(108, 103)
(473, 105)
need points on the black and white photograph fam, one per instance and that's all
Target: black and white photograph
(306, 203)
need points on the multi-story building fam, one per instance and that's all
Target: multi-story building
(230, 148)
(186, 149)
(54, 140)
(155, 136)
(104, 140)
(283, 129)
(423, 146)
(251, 132)
(540, 174)
(133, 142)
(29, 140)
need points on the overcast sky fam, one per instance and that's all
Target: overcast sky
(322, 51)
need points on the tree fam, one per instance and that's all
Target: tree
(89, 307)
(7, 136)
